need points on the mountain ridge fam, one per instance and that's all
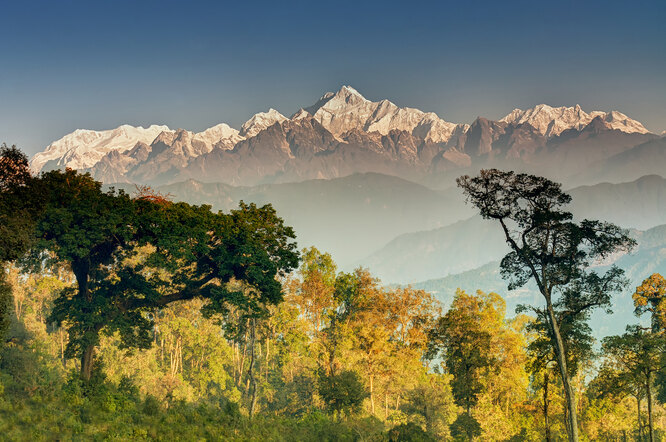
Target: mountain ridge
(342, 133)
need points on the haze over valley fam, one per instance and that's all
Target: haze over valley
(374, 184)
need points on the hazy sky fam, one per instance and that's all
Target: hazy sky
(96, 65)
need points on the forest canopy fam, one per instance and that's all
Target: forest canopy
(133, 316)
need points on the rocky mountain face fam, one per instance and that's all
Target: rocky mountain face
(345, 133)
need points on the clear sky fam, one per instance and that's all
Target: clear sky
(96, 65)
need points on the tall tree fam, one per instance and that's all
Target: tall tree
(464, 341)
(132, 256)
(549, 248)
(639, 352)
(578, 342)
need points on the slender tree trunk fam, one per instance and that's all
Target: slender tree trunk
(649, 404)
(372, 395)
(252, 380)
(640, 419)
(572, 424)
(545, 405)
(62, 349)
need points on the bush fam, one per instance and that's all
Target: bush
(465, 427)
(343, 392)
(409, 432)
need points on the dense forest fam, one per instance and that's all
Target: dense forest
(130, 316)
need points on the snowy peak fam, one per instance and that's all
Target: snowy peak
(550, 121)
(346, 97)
(300, 114)
(83, 148)
(221, 135)
(261, 121)
(347, 109)
(340, 122)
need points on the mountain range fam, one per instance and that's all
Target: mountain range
(344, 133)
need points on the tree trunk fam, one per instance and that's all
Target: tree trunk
(62, 348)
(545, 405)
(252, 380)
(87, 358)
(81, 269)
(87, 362)
(649, 404)
(572, 424)
(640, 419)
(372, 396)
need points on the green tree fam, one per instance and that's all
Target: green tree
(463, 340)
(132, 256)
(17, 212)
(465, 427)
(549, 248)
(343, 392)
(613, 380)
(638, 354)
(431, 403)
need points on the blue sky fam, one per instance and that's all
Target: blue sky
(70, 64)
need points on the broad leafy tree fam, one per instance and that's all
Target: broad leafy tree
(132, 256)
(549, 248)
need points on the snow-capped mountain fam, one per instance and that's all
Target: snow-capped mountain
(345, 133)
(347, 109)
(221, 135)
(84, 148)
(261, 121)
(551, 121)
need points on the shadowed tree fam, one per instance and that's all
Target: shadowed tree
(18, 210)
(464, 342)
(552, 250)
(343, 392)
(132, 256)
